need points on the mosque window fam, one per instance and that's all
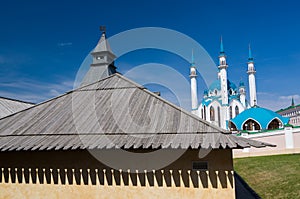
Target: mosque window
(232, 126)
(216, 92)
(100, 57)
(204, 112)
(219, 117)
(230, 112)
(212, 113)
(251, 125)
(237, 111)
(274, 124)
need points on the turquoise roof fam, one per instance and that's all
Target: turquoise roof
(216, 85)
(261, 115)
(250, 58)
(221, 47)
(193, 60)
(231, 97)
(241, 84)
(207, 101)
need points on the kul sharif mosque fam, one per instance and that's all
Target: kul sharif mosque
(224, 104)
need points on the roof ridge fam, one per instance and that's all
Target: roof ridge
(109, 88)
(113, 75)
(80, 87)
(129, 80)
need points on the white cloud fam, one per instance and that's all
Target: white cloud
(62, 44)
(290, 97)
(54, 92)
(275, 101)
(34, 91)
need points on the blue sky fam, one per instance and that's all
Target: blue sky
(43, 43)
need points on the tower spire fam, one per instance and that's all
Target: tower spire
(293, 103)
(193, 75)
(103, 61)
(250, 58)
(192, 60)
(221, 47)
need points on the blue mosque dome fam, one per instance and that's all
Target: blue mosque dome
(257, 118)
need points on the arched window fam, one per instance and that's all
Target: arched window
(237, 111)
(230, 112)
(251, 125)
(232, 126)
(274, 124)
(204, 108)
(212, 113)
(202, 114)
(219, 117)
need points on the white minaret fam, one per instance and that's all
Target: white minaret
(223, 82)
(193, 75)
(242, 91)
(251, 76)
(223, 75)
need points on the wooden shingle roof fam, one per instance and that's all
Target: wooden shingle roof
(112, 113)
(10, 106)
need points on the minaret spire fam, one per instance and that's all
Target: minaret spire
(251, 76)
(192, 60)
(221, 47)
(193, 75)
(250, 58)
(223, 74)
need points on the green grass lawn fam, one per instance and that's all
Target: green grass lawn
(275, 176)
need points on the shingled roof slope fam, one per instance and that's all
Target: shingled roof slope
(9, 106)
(112, 113)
